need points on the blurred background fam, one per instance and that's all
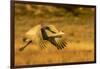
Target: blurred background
(77, 22)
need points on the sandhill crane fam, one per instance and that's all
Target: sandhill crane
(41, 33)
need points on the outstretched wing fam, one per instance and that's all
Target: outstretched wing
(58, 42)
(40, 38)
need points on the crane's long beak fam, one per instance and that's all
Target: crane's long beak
(22, 48)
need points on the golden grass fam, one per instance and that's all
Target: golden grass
(73, 53)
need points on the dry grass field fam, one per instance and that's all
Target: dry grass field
(78, 29)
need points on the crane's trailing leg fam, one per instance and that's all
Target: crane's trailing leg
(22, 48)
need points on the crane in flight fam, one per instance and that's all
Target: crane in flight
(41, 33)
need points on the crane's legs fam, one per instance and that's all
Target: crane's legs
(22, 48)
